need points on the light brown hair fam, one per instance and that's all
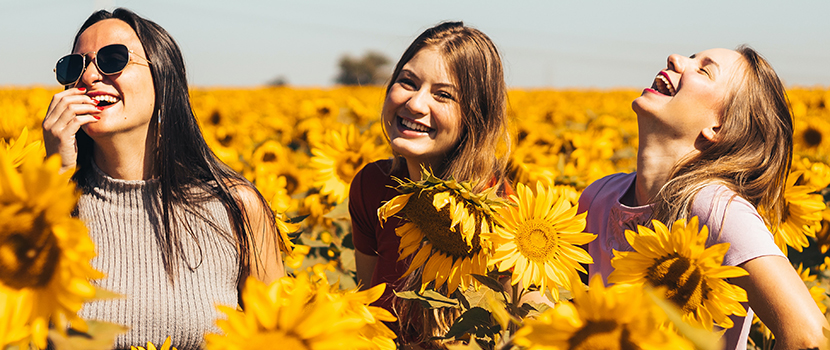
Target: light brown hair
(752, 152)
(476, 69)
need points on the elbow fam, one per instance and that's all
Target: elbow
(807, 338)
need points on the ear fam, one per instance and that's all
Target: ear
(711, 133)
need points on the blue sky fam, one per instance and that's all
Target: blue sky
(561, 44)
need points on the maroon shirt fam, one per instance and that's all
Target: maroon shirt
(371, 188)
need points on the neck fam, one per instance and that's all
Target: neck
(120, 157)
(656, 157)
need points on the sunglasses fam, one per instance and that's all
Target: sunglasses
(110, 59)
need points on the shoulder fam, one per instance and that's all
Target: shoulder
(246, 195)
(607, 189)
(375, 170)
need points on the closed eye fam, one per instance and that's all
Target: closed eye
(407, 83)
(445, 95)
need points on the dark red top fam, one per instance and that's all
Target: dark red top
(371, 188)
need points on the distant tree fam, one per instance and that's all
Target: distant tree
(367, 70)
(278, 81)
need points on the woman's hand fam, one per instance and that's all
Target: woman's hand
(68, 111)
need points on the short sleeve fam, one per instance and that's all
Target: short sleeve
(732, 219)
(363, 222)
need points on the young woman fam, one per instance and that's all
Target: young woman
(715, 141)
(176, 231)
(444, 110)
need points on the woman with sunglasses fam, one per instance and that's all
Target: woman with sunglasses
(176, 230)
(715, 142)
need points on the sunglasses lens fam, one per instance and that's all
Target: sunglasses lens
(113, 58)
(69, 68)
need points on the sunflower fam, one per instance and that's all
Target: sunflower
(18, 150)
(449, 219)
(539, 239)
(338, 158)
(618, 317)
(167, 345)
(802, 215)
(678, 260)
(300, 313)
(44, 252)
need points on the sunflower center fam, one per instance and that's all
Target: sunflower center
(436, 226)
(269, 157)
(29, 253)
(602, 335)
(537, 240)
(348, 166)
(686, 286)
(812, 137)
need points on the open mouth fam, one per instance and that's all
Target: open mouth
(105, 100)
(663, 85)
(407, 124)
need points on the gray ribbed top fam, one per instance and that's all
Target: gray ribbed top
(117, 213)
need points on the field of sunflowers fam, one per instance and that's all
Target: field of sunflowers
(302, 147)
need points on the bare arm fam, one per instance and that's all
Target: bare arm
(365, 266)
(265, 260)
(782, 302)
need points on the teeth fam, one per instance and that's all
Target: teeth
(414, 126)
(105, 98)
(664, 85)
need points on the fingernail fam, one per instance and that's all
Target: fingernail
(82, 89)
(95, 101)
(100, 108)
(96, 117)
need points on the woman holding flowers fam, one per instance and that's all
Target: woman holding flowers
(715, 142)
(445, 112)
(176, 230)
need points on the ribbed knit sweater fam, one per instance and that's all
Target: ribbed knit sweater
(122, 224)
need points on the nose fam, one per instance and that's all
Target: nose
(676, 62)
(91, 74)
(419, 102)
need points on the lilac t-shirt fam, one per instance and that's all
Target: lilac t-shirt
(730, 219)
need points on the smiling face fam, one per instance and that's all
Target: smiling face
(421, 114)
(127, 99)
(687, 97)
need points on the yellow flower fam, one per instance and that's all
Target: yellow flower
(444, 222)
(618, 317)
(802, 216)
(338, 158)
(300, 313)
(678, 260)
(44, 252)
(539, 240)
(18, 150)
(167, 345)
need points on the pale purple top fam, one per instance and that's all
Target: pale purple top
(743, 228)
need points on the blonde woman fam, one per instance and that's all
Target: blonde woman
(715, 141)
(444, 110)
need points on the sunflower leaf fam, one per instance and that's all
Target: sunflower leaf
(430, 299)
(296, 220)
(490, 282)
(472, 320)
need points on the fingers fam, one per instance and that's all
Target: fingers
(67, 112)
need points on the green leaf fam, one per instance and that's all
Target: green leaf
(430, 299)
(296, 220)
(469, 321)
(532, 309)
(99, 336)
(490, 282)
(339, 212)
(103, 294)
(460, 296)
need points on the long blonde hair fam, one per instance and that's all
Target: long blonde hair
(753, 151)
(475, 66)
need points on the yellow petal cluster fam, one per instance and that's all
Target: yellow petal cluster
(45, 253)
(539, 240)
(693, 275)
(303, 313)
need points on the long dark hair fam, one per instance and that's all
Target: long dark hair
(475, 66)
(187, 170)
